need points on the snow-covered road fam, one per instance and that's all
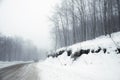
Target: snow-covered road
(23, 71)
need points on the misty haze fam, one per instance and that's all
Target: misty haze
(59, 39)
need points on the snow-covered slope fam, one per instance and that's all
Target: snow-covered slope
(96, 59)
(93, 49)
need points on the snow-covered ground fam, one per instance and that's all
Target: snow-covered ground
(7, 63)
(100, 60)
(88, 67)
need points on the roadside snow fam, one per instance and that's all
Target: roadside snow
(92, 66)
(88, 67)
(7, 63)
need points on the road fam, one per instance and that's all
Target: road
(25, 71)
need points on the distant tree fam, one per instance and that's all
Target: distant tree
(14, 49)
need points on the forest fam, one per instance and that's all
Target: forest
(80, 20)
(17, 49)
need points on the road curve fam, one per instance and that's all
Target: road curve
(25, 71)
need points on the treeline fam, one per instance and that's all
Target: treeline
(16, 49)
(79, 20)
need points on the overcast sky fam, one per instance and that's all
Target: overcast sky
(27, 19)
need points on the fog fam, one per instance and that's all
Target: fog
(27, 19)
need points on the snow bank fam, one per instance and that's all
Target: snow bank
(7, 63)
(100, 60)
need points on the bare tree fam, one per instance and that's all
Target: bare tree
(80, 20)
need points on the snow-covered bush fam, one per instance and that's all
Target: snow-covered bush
(100, 45)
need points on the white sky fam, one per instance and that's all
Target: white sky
(28, 19)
